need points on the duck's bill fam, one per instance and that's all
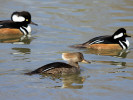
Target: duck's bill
(84, 61)
(127, 35)
(33, 23)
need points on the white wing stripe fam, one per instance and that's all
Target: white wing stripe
(97, 41)
(48, 69)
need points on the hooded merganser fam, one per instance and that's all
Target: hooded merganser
(117, 41)
(18, 25)
(60, 67)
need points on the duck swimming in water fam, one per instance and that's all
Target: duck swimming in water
(117, 41)
(18, 25)
(61, 67)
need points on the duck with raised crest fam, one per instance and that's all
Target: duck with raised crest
(61, 67)
(18, 25)
(117, 41)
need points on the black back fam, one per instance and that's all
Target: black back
(10, 24)
(102, 40)
(50, 66)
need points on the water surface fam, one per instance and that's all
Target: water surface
(63, 23)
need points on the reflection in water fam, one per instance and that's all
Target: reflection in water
(116, 53)
(20, 54)
(113, 53)
(9, 38)
(22, 50)
(15, 39)
(129, 78)
(121, 64)
(73, 81)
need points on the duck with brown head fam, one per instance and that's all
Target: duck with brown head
(61, 67)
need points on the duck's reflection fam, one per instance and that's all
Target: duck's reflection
(113, 53)
(72, 81)
(9, 38)
(22, 50)
(121, 64)
(116, 53)
(15, 39)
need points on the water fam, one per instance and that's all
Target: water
(63, 23)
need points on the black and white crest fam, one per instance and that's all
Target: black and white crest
(120, 36)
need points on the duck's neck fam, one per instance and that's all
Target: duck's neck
(75, 64)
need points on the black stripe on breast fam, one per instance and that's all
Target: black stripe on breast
(24, 30)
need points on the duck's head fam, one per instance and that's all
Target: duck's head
(23, 16)
(74, 57)
(120, 34)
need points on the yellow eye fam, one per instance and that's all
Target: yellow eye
(26, 19)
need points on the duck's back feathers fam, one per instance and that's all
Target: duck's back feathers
(9, 24)
(53, 68)
(97, 40)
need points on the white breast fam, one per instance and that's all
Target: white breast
(29, 29)
(127, 42)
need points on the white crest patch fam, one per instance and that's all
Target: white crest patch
(17, 18)
(118, 36)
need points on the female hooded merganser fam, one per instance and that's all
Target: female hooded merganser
(18, 25)
(117, 41)
(60, 67)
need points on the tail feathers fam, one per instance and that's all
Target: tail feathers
(77, 46)
(33, 72)
(29, 73)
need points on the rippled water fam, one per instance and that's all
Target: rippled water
(63, 23)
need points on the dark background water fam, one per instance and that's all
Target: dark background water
(63, 23)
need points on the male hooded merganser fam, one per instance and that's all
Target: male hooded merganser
(60, 67)
(117, 41)
(18, 25)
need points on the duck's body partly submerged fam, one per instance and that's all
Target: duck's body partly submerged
(55, 68)
(60, 67)
(117, 41)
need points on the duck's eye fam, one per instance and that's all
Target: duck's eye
(27, 20)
